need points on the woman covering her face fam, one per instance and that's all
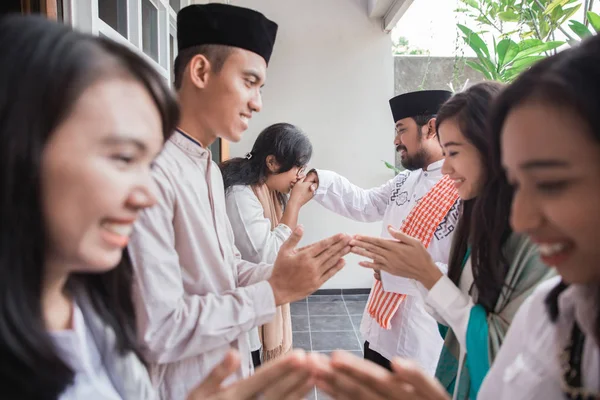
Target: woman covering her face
(81, 120)
(264, 194)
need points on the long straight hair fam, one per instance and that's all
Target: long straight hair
(286, 142)
(484, 223)
(44, 69)
(569, 80)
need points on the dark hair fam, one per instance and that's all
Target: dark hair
(44, 68)
(422, 120)
(484, 223)
(216, 54)
(290, 146)
(570, 80)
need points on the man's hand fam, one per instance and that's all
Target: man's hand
(299, 272)
(288, 377)
(402, 256)
(312, 177)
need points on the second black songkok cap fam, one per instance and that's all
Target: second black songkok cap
(227, 25)
(424, 102)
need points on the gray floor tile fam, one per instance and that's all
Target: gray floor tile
(325, 298)
(335, 340)
(356, 297)
(356, 320)
(357, 353)
(323, 396)
(336, 308)
(298, 309)
(301, 340)
(330, 323)
(356, 307)
(300, 323)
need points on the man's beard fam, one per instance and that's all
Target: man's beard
(415, 161)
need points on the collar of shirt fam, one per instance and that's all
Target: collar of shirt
(581, 302)
(72, 343)
(189, 144)
(436, 166)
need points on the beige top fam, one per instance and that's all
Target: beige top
(195, 297)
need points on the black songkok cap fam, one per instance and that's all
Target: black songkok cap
(227, 25)
(424, 102)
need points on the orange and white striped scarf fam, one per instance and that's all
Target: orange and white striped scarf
(421, 223)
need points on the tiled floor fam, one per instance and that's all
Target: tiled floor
(325, 323)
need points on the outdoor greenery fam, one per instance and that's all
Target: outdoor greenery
(510, 35)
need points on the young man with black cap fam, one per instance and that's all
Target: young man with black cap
(195, 298)
(425, 205)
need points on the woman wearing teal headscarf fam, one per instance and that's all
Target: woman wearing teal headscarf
(491, 270)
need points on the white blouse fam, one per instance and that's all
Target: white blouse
(528, 364)
(254, 238)
(78, 349)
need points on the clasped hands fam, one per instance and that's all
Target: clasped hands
(402, 255)
(343, 376)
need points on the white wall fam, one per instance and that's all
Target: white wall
(331, 73)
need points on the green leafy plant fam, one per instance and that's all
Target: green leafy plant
(522, 32)
(392, 167)
(507, 58)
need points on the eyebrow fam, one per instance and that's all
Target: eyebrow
(121, 140)
(540, 164)
(448, 144)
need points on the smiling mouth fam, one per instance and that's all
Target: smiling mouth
(117, 234)
(554, 254)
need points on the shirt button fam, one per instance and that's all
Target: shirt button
(426, 174)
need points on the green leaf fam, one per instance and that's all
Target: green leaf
(541, 47)
(524, 63)
(507, 51)
(594, 20)
(478, 67)
(471, 3)
(554, 4)
(568, 13)
(508, 16)
(580, 29)
(474, 40)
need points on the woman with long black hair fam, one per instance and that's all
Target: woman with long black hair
(491, 271)
(81, 120)
(265, 191)
(545, 131)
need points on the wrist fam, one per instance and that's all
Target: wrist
(432, 277)
(278, 294)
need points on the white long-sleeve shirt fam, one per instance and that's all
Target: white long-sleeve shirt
(254, 238)
(528, 365)
(414, 333)
(195, 297)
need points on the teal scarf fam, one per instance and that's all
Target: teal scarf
(486, 331)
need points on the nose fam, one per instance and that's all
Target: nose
(143, 195)
(447, 167)
(397, 141)
(525, 215)
(256, 101)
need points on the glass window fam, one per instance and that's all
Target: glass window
(175, 5)
(114, 13)
(150, 29)
(172, 52)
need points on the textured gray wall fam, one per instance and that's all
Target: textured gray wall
(413, 73)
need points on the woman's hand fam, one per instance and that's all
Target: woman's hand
(302, 192)
(404, 256)
(289, 377)
(350, 377)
